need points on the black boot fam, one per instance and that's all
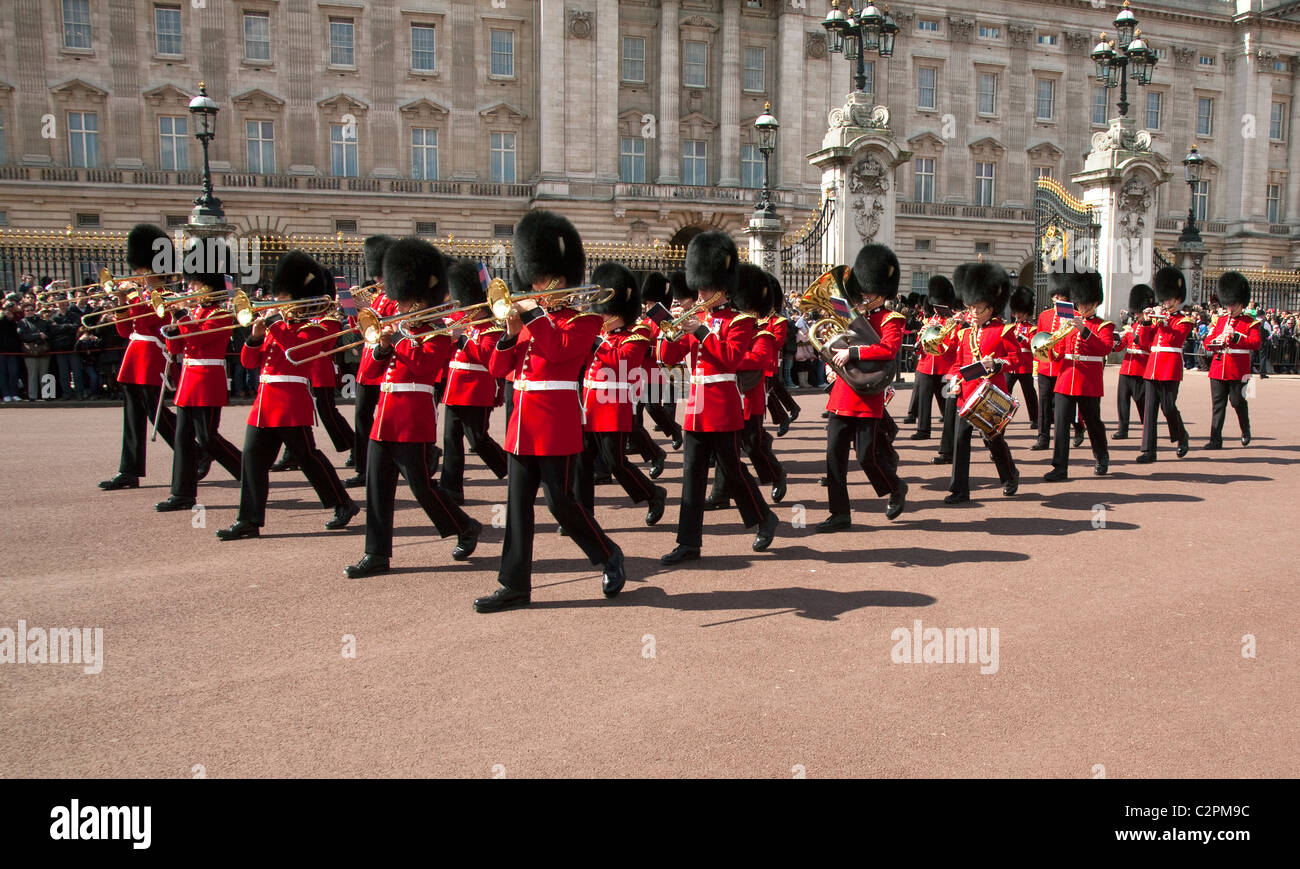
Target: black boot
(369, 565)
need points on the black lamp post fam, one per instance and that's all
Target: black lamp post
(1192, 164)
(858, 34)
(766, 127)
(207, 207)
(1113, 61)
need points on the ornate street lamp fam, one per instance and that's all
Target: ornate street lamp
(1192, 164)
(207, 207)
(766, 127)
(859, 34)
(1113, 60)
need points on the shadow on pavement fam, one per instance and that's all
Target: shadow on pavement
(809, 603)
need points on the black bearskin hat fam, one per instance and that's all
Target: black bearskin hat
(298, 275)
(681, 292)
(875, 273)
(547, 246)
(712, 263)
(1082, 288)
(464, 284)
(207, 261)
(415, 271)
(626, 302)
(983, 283)
(142, 247)
(778, 296)
(1022, 300)
(752, 290)
(1234, 289)
(1141, 297)
(1170, 284)
(375, 248)
(940, 292)
(655, 289)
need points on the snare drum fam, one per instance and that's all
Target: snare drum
(989, 409)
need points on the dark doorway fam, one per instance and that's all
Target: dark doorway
(684, 235)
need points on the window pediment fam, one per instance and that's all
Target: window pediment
(502, 113)
(342, 103)
(424, 109)
(926, 144)
(696, 126)
(988, 147)
(77, 90)
(257, 100)
(1046, 151)
(167, 95)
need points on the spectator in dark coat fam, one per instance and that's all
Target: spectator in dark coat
(11, 351)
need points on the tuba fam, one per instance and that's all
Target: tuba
(835, 331)
(1042, 343)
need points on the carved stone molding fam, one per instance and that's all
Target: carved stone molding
(1077, 41)
(815, 45)
(962, 28)
(699, 21)
(580, 25)
(1184, 56)
(1134, 203)
(868, 185)
(1020, 34)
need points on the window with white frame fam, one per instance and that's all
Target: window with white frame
(257, 36)
(1045, 104)
(869, 73)
(1207, 60)
(503, 158)
(751, 166)
(1099, 105)
(1277, 122)
(631, 160)
(1047, 39)
(983, 183)
(1042, 172)
(343, 150)
(695, 162)
(167, 30)
(927, 79)
(260, 139)
(342, 42)
(76, 24)
(986, 91)
(1273, 200)
(423, 47)
(173, 143)
(1154, 104)
(503, 53)
(83, 139)
(1201, 199)
(923, 179)
(755, 69)
(634, 59)
(989, 32)
(921, 282)
(1204, 116)
(695, 64)
(921, 244)
(424, 154)
(927, 25)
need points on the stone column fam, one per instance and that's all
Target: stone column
(788, 167)
(608, 53)
(764, 242)
(1190, 258)
(1120, 178)
(857, 159)
(551, 79)
(670, 95)
(729, 134)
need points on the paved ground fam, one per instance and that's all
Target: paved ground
(1120, 604)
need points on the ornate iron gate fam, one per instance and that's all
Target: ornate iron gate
(1064, 228)
(804, 259)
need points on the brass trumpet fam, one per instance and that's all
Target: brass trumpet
(672, 329)
(1041, 345)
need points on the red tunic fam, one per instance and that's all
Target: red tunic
(1048, 322)
(1082, 359)
(1165, 341)
(1135, 358)
(780, 328)
(714, 404)
(615, 367)
(761, 356)
(546, 359)
(995, 339)
(1024, 334)
(1233, 362)
(284, 389)
(143, 361)
(203, 369)
(941, 364)
(407, 411)
(323, 372)
(844, 400)
(469, 383)
(384, 307)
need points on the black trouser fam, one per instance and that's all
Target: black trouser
(468, 423)
(139, 403)
(756, 443)
(1026, 381)
(928, 388)
(1222, 392)
(780, 403)
(198, 431)
(1131, 387)
(509, 399)
(701, 447)
(639, 438)
(915, 399)
(949, 424)
(1162, 396)
(867, 437)
(608, 445)
(341, 435)
(665, 417)
(260, 448)
(555, 476)
(998, 449)
(363, 417)
(386, 460)
(1090, 409)
(1046, 406)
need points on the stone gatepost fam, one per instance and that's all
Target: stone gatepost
(857, 159)
(1119, 179)
(764, 233)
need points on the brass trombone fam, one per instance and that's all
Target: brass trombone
(108, 282)
(501, 300)
(246, 310)
(370, 326)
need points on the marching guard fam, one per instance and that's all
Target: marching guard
(1234, 336)
(1163, 333)
(367, 389)
(932, 370)
(1021, 372)
(1131, 387)
(1082, 356)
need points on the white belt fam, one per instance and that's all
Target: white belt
(712, 378)
(285, 378)
(468, 366)
(604, 384)
(1135, 350)
(1166, 349)
(214, 362)
(136, 336)
(1075, 357)
(1233, 350)
(406, 387)
(545, 385)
